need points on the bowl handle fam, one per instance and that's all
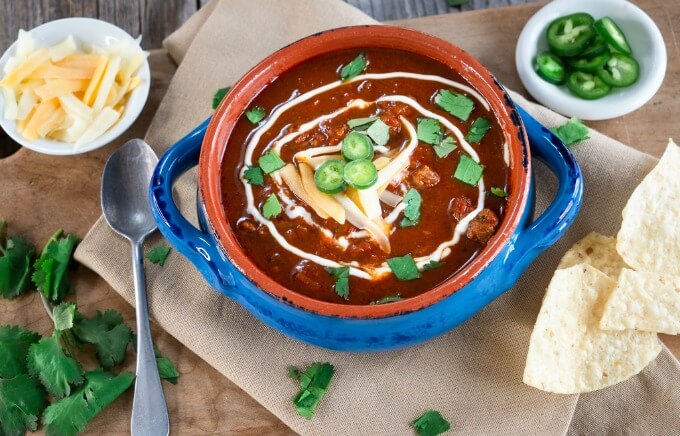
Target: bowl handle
(196, 245)
(545, 230)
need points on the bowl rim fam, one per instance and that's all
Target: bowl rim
(379, 36)
(139, 96)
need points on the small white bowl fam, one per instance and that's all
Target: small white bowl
(85, 31)
(642, 34)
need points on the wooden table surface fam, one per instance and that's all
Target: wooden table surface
(40, 193)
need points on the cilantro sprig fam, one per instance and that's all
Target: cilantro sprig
(413, 201)
(109, 335)
(353, 68)
(256, 114)
(51, 268)
(314, 382)
(404, 267)
(16, 254)
(14, 345)
(431, 423)
(341, 274)
(219, 96)
(22, 399)
(271, 207)
(572, 131)
(158, 254)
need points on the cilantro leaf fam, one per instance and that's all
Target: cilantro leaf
(445, 148)
(167, 369)
(413, 200)
(431, 423)
(256, 114)
(64, 314)
(432, 265)
(379, 132)
(271, 207)
(571, 132)
(56, 370)
(478, 130)
(109, 335)
(313, 385)
(468, 171)
(354, 68)
(219, 96)
(158, 254)
(429, 131)
(14, 345)
(70, 415)
(499, 192)
(360, 123)
(21, 401)
(387, 299)
(16, 254)
(254, 176)
(404, 267)
(341, 275)
(294, 372)
(456, 104)
(51, 268)
(270, 162)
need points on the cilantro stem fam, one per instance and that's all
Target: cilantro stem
(53, 238)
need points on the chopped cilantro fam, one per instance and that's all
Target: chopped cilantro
(51, 268)
(270, 162)
(64, 314)
(387, 299)
(468, 171)
(158, 254)
(109, 335)
(413, 200)
(219, 96)
(21, 401)
(445, 148)
(499, 192)
(478, 130)
(14, 345)
(167, 369)
(354, 68)
(379, 132)
(271, 207)
(15, 264)
(294, 372)
(254, 176)
(404, 267)
(56, 370)
(432, 265)
(256, 114)
(360, 123)
(313, 385)
(341, 275)
(431, 423)
(571, 132)
(429, 131)
(456, 104)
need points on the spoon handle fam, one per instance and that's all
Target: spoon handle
(149, 412)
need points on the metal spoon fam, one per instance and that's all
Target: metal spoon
(125, 203)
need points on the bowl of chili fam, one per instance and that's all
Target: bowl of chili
(392, 122)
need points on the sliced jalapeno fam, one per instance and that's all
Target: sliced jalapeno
(596, 47)
(360, 174)
(329, 177)
(613, 34)
(590, 65)
(569, 35)
(357, 146)
(587, 86)
(620, 70)
(551, 68)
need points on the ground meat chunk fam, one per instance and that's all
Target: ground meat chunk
(305, 273)
(459, 207)
(483, 226)
(424, 177)
(247, 225)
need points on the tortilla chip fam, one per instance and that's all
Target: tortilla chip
(596, 250)
(650, 232)
(644, 301)
(568, 353)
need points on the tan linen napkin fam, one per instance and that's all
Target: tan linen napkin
(473, 375)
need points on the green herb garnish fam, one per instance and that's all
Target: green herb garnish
(413, 200)
(166, 369)
(219, 96)
(270, 162)
(294, 372)
(432, 265)
(468, 171)
(445, 148)
(109, 335)
(456, 104)
(478, 129)
(57, 371)
(314, 382)
(21, 401)
(16, 254)
(571, 132)
(499, 192)
(51, 268)
(158, 254)
(429, 131)
(254, 176)
(354, 68)
(256, 114)
(387, 299)
(341, 275)
(64, 315)
(14, 345)
(404, 267)
(379, 132)
(431, 423)
(360, 123)
(271, 207)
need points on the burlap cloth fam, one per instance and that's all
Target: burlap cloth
(473, 375)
